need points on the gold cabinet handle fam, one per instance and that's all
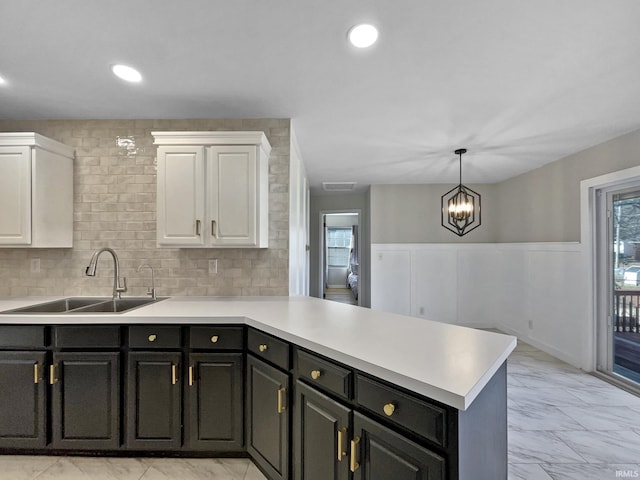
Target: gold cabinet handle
(389, 408)
(281, 403)
(263, 347)
(36, 375)
(342, 433)
(214, 230)
(198, 227)
(174, 374)
(315, 374)
(214, 339)
(152, 337)
(52, 374)
(191, 375)
(354, 465)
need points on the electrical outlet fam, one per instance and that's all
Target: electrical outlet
(213, 266)
(530, 324)
(35, 265)
(421, 311)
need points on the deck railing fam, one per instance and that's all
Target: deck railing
(626, 308)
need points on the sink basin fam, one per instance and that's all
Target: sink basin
(74, 305)
(116, 306)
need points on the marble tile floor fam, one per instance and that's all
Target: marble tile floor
(565, 424)
(14, 467)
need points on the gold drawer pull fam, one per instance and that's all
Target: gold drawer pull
(354, 462)
(281, 404)
(263, 347)
(191, 375)
(214, 339)
(315, 374)
(36, 376)
(153, 337)
(174, 374)
(389, 408)
(214, 231)
(342, 433)
(52, 374)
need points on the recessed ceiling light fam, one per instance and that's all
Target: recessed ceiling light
(2, 81)
(126, 73)
(363, 36)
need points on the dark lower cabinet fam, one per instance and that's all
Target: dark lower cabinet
(154, 407)
(268, 418)
(321, 430)
(23, 393)
(378, 453)
(214, 395)
(85, 411)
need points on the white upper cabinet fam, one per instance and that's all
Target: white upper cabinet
(213, 189)
(36, 192)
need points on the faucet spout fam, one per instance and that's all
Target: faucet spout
(90, 271)
(151, 290)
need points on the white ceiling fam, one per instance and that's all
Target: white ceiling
(520, 83)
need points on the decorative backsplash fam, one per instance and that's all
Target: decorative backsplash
(115, 206)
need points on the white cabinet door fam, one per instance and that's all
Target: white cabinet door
(231, 202)
(181, 196)
(15, 195)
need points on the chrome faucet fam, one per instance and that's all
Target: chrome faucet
(91, 271)
(152, 290)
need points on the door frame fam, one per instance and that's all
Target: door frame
(321, 255)
(593, 261)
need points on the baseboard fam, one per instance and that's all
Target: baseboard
(554, 352)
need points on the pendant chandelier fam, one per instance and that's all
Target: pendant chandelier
(460, 206)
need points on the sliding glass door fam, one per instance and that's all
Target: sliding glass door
(619, 329)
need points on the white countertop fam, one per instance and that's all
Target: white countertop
(448, 363)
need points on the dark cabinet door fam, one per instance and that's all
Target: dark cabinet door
(22, 400)
(85, 400)
(154, 404)
(268, 418)
(321, 433)
(378, 453)
(215, 400)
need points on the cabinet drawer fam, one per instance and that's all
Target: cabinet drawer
(151, 337)
(410, 412)
(101, 336)
(270, 348)
(322, 373)
(22, 336)
(216, 338)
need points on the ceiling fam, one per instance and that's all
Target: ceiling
(519, 83)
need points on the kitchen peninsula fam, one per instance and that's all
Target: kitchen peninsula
(352, 390)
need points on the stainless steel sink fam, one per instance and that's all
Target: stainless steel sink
(75, 305)
(116, 306)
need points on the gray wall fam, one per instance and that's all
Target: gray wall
(411, 214)
(338, 202)
(542, 205)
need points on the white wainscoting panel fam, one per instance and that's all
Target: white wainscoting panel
(392, 271)
(537, 291)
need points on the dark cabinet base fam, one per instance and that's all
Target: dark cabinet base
(23, 393)
(267, 421)
(86, 401)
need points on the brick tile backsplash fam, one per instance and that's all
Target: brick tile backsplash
(114, 206)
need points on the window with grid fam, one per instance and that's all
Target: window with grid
(339, 246)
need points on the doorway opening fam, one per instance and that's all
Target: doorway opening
(340, 250)
(618, 278)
